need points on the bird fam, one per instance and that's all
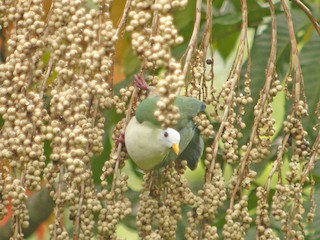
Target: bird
(148, 144)
(152, 147)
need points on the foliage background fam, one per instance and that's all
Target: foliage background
(226, 29)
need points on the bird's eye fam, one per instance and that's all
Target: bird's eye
(166, 134)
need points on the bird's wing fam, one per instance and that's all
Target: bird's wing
(193, 150)
(146, 109)
(188, 107)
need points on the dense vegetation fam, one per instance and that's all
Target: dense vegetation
(67, 94)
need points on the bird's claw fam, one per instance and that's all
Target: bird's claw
(140, 82)
(120, 139)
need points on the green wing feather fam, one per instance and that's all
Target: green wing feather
(193, 150)
(188, 107)
(145, 110)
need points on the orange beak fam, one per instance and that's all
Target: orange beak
(175, 148)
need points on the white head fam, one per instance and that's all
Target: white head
(171, 139)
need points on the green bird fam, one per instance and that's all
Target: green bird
(152, 147)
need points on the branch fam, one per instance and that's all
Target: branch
(49, 15)
(234, 77)
(270, 74)
(294, 54)
(43, 85)
(192, 42)
(155, 19)
(311, 161)
(76, 229)
(123, 18)
(123, 130)
(207, 31)
(308, 13)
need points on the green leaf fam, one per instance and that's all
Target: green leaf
(184, 21)
(180, 19)
(229, 21)
(310, 62)
(227, 44)
(131, 62)
(259, 58)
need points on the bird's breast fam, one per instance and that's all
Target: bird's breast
(143, 145)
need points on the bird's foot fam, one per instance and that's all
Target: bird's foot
(120, 139)
(140, 82)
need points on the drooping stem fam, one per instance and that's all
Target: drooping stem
(44, 82)
(311, 161)
(270, 75)
(233, 79)
(207, 32)
(123, 18)
(308, 13)
(120, 144)
(193, 41)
